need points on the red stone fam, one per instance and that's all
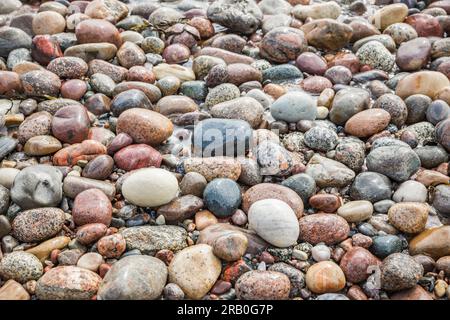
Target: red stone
(356, 264)
(232, 271)
(325, 202)
(97, 30)
(10, 83)
(73, 89)
(220, 287)
(87, 150)
(71, 124)
(90, 233)
(425, 25)
(140, 73)
(45, 48)
(120, 141)
(165, 256)
(92, 206)
(112, 246)
(137, 156)
(323, 227)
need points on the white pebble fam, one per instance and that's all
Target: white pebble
(321, 253)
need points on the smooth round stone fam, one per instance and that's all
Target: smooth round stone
(438, 111)
(316, 84)
(325, 277)
(383, 205)
(45, 48)
(150, 187)
(325, 202)
(371, 186)
(280, 228)
(230, 247)
(111, 246)
(73, 89)
(86, 150)
(92, 51)
(250, 172)
(21, 267)
(383, 246)
(441, 133)
(376, 55)
(415, 293)
(7, 144)
(10, 83)
(135, 277)
(144, 126)
(98, 104)
(90, 261)
(444, 264)
(96, 31)
(102, 83)
(311, 63)
(140, 73)
(441, 199)
(281, 73)
(68, 67)
(130, 54)
(320, 253)
(68, 283)
(410, 191)
(46, 222)
(37, 186)
(339, 75)
(316, 10)
(90, 233)
(214, 167)
(11, 39)
(204, 219)
(428, 83)
(329, 173)
(222, 197)
(91, 206)
(193, 183)
(241, 108)
(262, 285)
(303, 184)
(9, 6)
(245, 18)
(388, 15)
(293, 107)
(137, 156)
(327, 34)
(274, 159)
(356, 211)
(433, 242)
(357, 264)
(348, 102)
(203, 64)
(38, 123)
(40, 83)
(168, 85)
(71, 124)
(431, 156)
(367, 123)
(195, 269)
(116, 73)
(196, 90)
(409, 217)
(399, 272)
(272, 191)
(4, 205)
(322, 227)
(425, 25)
(48, 22)
(401, 32)
(99, 168)
(398, 163)
(175, 105)
(413, 55)
(7, 176)
(43, 250)
(176, 53)
(395, 106)
(320, 138)
(180, 209)
(173, 292)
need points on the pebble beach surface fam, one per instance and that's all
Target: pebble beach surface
(222, 150)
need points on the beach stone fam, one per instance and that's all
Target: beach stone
(250, 172)
(348, 102)
(259, 284)
(282, 229)
(358, 124)
(390, 14)
(136, 277)
(172, 104)
(7, 176)
(21, 267)
(180, 208)
(40, 83)
(398, 163)
(371, 186)
(376, 55)
(264, 191)
(48, 22)
(293, 107)
(110, 10)
(222, 197)
(413, 55)
(428, 83)
(111, 246)
(273, 159)
(10, 83)
(283, 44)
(217, 137)
(90, 233)
(90, 261)
(193, 183)
(401, 32)
(311, 63)
(43, 250)
(7, 144)
(11, 39)
(137, 156)
(425, 25)
(329, 173)
(130, 54)
(356, 264)
(441, 198)
(327, 34)
(320, 138)
(116, 73)
(71, 124)
(86, 150)
(160, 187)
(9, 6)
(195, 269)
(322, 227)
(239, 16)
(144, 126)
(99, 168)
(417, 105)
(37, 186)
(44, 49)
(91, 206)
(339, 75)
(92, 51)
(415, 293)
(73, 185)
(329, 10)
(303, 184)
(386, 245)
(67, 283)
(410, 191)
(325, 277)
(325, 202)
(356, 211)
(97, 31)
(442, 133)
(182, 73)
(241, 108)
(432, 242)
(438, 111)
(214, 167)
(46, 222)
(205, 218)
(399, 272)
(151, 239)
(38, 123)
(230, 247)
(395, 106)
(409, 217)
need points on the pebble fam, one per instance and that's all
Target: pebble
(214, 167)
(137, 156)
(111, 246)
(329, 173)
(375, 54)
(181, 208)
(43, 250)
(325, 277)
(91, 206)
(46, 222)
(90, 233)
(386, 245)
(262, 285)
(320, 252)
(356, 211)
(357, 264)
(322, 227)
(433, 242)
(21, 267)
(371, 186)
(90, 261)
(222, 197)
(367, 123)
(399, 272)
(293, 107)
